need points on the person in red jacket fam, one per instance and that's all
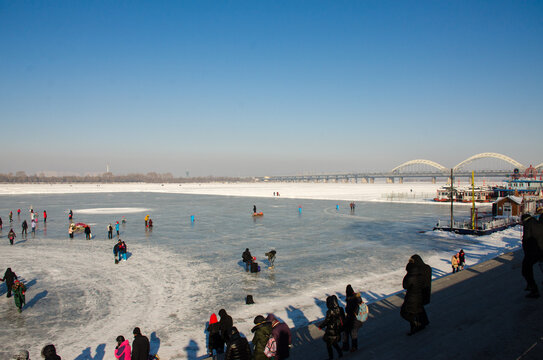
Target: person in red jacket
(216, 342)
(44, 216)
(122, 350)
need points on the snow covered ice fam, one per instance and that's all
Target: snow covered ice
(181, 272)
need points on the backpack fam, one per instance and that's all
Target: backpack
(363, 312)
(270, 350)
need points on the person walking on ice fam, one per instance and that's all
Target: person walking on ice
(271, 257)
(33, 226)
(11, 236)
(24, 226)
(9, 278)
(19, 294)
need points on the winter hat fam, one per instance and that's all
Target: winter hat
(259, 319)
(222, 312)
(120, 339)
(213, 319)
(136, 331)
(271, 318)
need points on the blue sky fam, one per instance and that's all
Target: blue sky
(242, 88)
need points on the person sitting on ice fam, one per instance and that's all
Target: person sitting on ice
(271, 257)
(247, 259)
(122, 250)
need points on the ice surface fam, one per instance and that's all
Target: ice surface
(123, 210)
(181, 272)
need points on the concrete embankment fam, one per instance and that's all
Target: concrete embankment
(478, 313)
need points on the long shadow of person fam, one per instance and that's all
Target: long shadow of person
(154, 343)
(321, 304)
(192, 350)
(300, 321)
(87, 355)
(36, 298)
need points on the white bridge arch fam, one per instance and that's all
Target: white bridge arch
(539, 167)
(490, 155)
(420, 161)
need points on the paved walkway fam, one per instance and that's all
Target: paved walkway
(478, 313)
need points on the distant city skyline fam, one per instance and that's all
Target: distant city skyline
(249, 88)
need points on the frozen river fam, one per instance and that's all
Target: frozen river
(181, 272)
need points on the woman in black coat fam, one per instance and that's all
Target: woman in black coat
(352, 324)
(225, 325)
(49, 352)
(417, 283)
(238, 347)
(9, 278)
(333, 327)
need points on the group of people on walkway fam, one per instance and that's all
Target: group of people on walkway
(341, 325)
(271, 339)
(458, 261)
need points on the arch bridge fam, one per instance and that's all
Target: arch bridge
(420, 167)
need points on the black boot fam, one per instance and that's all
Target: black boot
(354, 346)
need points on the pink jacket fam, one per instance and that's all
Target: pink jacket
(123, 351)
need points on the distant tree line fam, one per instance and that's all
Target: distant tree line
(108, 177)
